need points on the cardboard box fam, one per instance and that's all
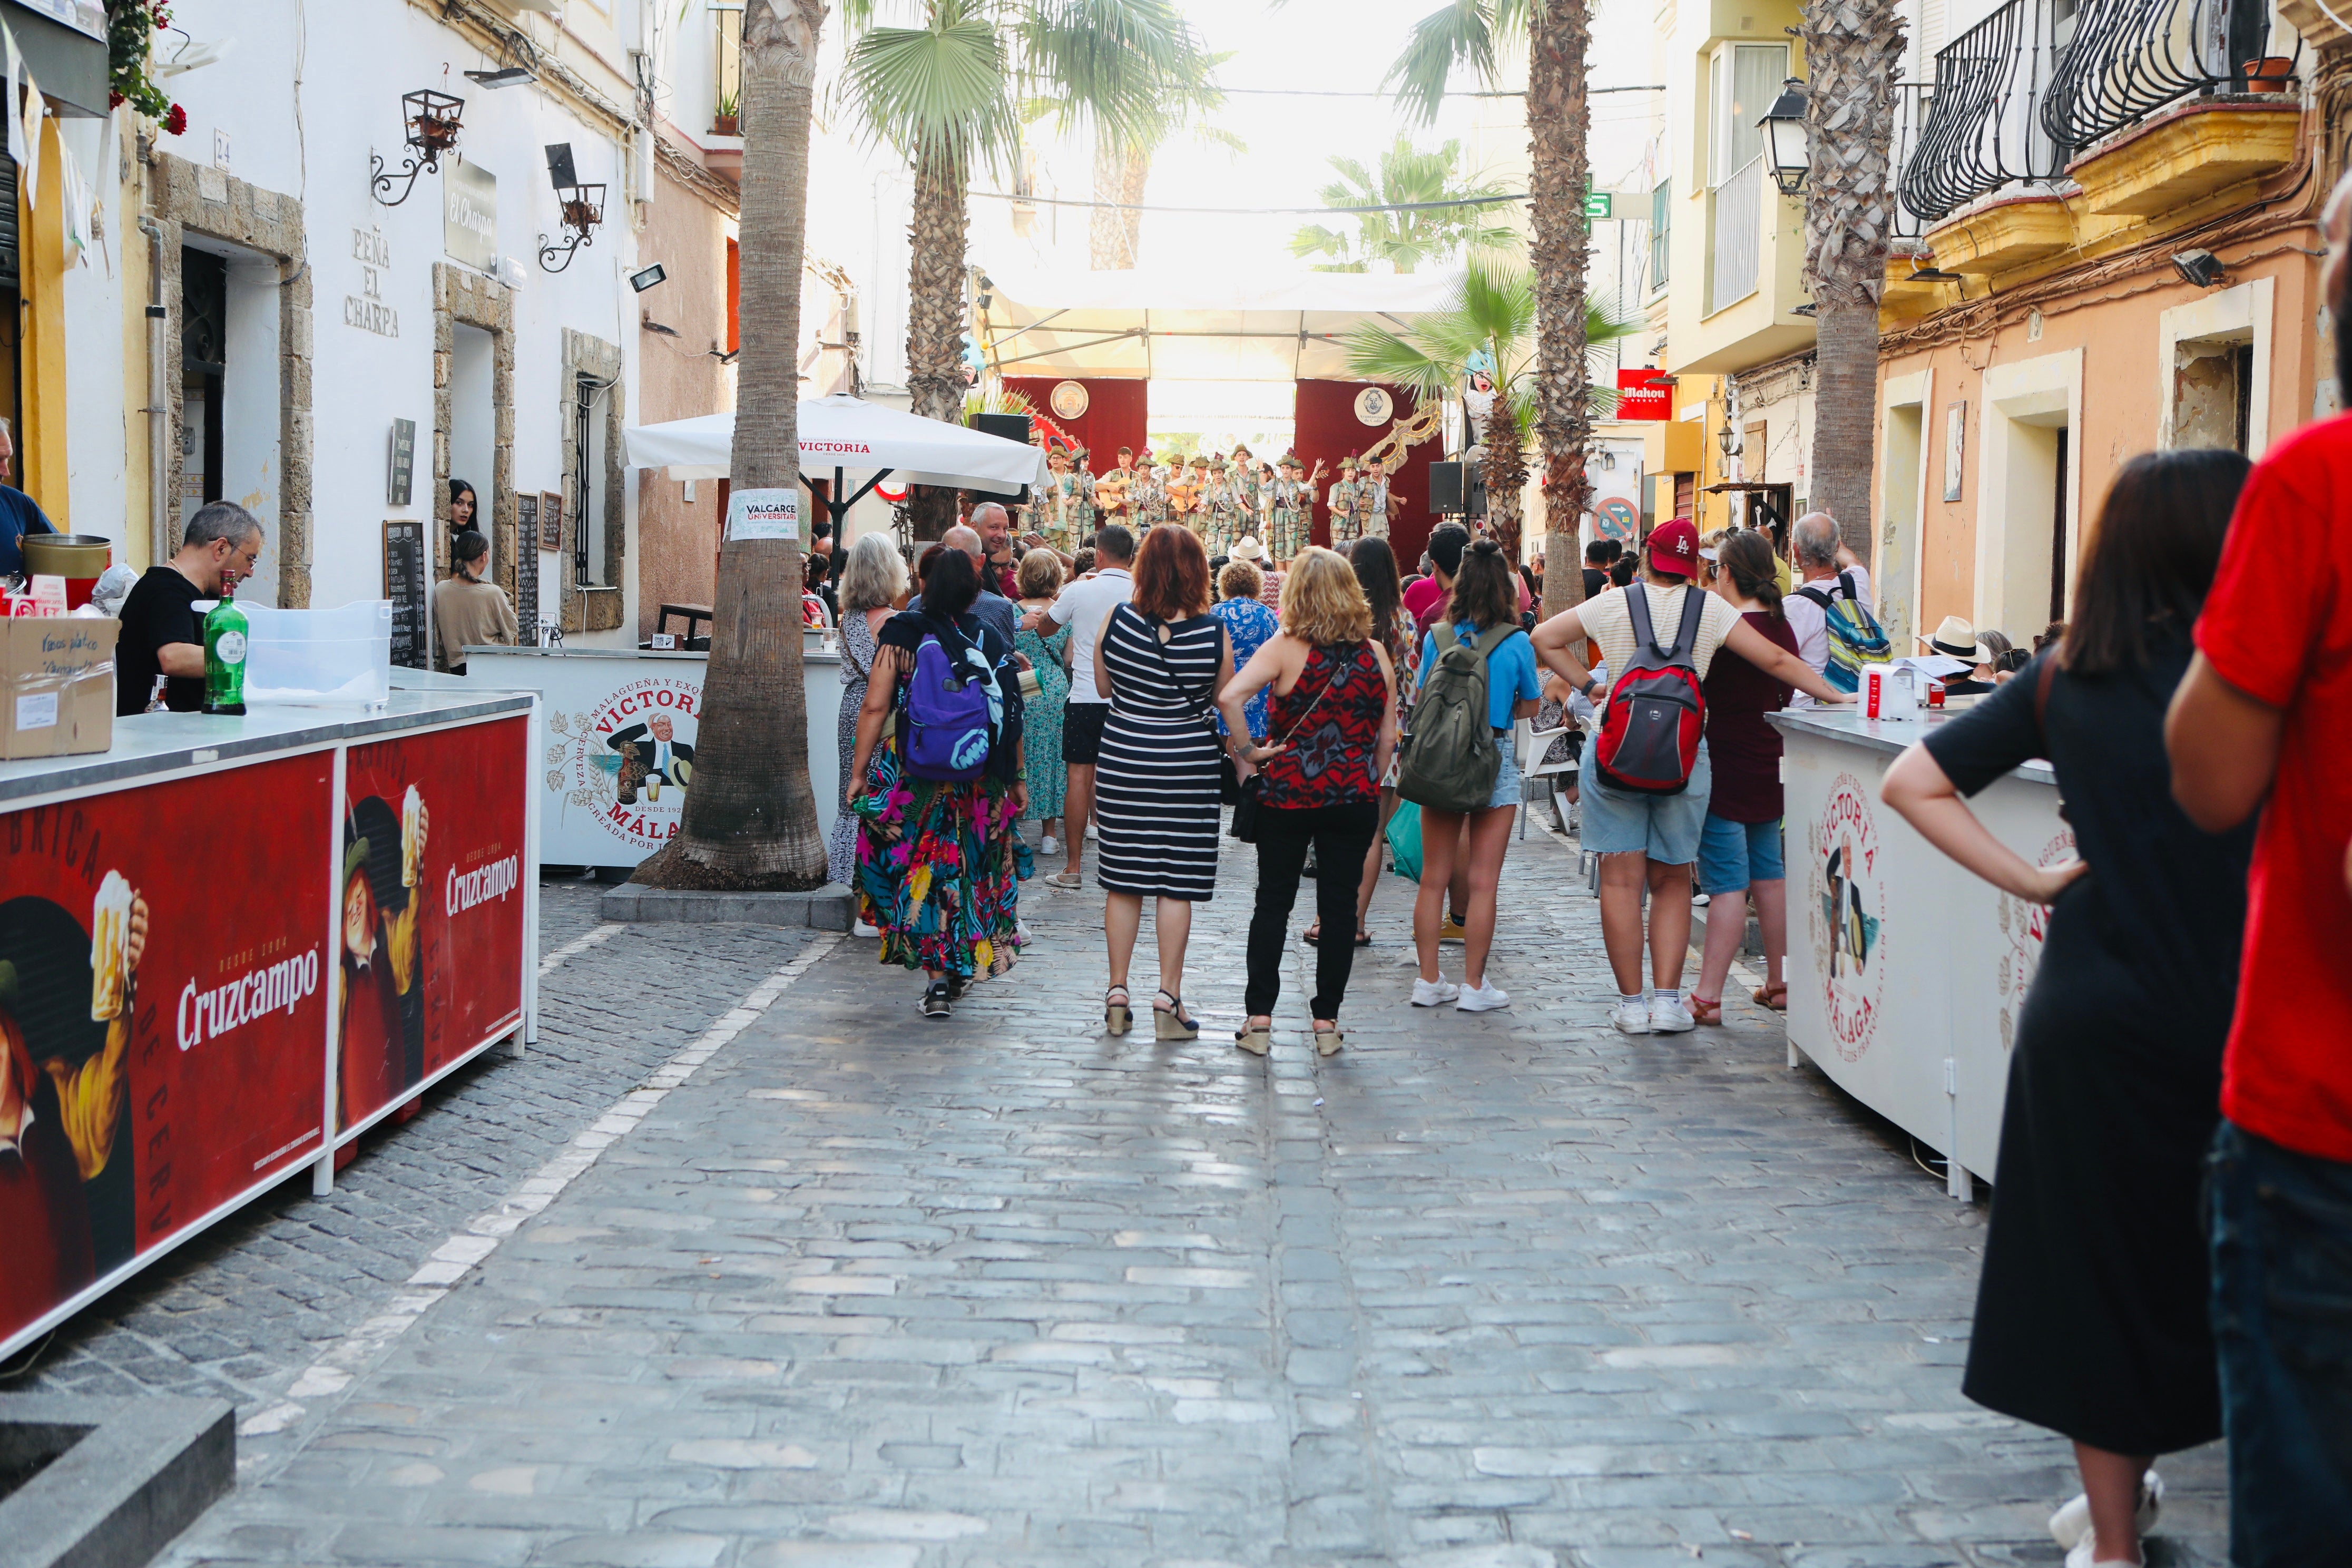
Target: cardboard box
(56, 686)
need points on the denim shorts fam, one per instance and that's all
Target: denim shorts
(1507, 779)
(1731, 854)
(1665, 827)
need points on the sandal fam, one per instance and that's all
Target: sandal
(1171, 1022)
(1774, 995)
(1329, 1042)
(1066, 879)
(1702, 1010)
(1363, 938)
(1117, 1016)
(1312, 934)
(1257, 1042)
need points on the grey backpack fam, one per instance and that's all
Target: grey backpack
(1454, 760)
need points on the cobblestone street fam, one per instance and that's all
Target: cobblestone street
(748, 1265)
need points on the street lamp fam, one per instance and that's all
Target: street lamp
(1784, 138)
(1728, 439)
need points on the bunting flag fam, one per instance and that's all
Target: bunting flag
(79, 199)
(28, 162)
(15, 86)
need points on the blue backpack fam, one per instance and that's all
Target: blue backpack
(953, 707)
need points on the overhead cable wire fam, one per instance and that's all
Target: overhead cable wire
(1244, 212)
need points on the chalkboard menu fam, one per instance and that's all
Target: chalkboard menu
(404, 584)
(403, 461)
(526, 601)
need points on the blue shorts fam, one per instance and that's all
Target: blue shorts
(1507, 779)
(1731, 854)
(1665, 827)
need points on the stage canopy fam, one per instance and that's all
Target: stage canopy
(853, 437)
(1174, 324)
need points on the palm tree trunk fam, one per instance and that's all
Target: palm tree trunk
(1504, 471)
(1853, 50)
(1560, 35)
(936, 320)
(750, 820)
(1113, 233)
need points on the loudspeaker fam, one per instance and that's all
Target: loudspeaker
(1013, 428)
(1445, 487)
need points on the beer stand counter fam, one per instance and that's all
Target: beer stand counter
(621, 726)
(230, 945)
(1906, 972)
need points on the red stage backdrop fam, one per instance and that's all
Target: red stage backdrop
(430, 940)
(1114, 415)
(164, 980)
(1328, 428)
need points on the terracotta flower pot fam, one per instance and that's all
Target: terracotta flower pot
(2269, 74)
(723, 125)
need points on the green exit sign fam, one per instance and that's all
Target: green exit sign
(1597, 204)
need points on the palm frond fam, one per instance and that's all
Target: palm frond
(939, 91)
(1116, 61)
(1463, 33)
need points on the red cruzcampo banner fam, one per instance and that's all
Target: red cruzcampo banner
(165, 983)
(1644, 394)
(430, 940)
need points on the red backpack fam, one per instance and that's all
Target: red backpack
(1650, 731)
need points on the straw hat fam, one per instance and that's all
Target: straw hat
(1249, 549)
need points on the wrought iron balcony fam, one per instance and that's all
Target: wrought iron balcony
(1912, 100)
(1980, 131)
(2128, 58)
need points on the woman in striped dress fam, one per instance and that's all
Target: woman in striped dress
(1161, 657)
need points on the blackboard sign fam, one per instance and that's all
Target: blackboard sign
(404, 585)
(403, 461)
(550, 520)
(526, 599)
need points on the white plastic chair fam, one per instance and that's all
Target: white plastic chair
(1532, 744)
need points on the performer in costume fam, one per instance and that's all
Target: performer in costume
(1185, 492)
(1053, 510)
(1249, 490)
(1081, 499)
(1375, 499)
(1112, 495)
(1346, 500)
(1282, 511)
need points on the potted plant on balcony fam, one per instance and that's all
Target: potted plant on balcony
(723, 119)
(2269, 74)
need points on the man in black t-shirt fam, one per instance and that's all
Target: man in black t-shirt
(161, 633)
(1597, 557)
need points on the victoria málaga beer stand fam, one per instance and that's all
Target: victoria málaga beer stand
(227, 946)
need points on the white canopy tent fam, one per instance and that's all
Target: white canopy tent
(1175, 324)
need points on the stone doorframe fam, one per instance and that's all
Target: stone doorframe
(191, 199)
(461, 297)
(597, 609)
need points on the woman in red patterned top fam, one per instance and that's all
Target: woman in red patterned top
(1331, 728)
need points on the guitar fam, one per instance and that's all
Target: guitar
(1110, 491)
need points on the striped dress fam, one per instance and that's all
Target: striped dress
(1156, 786)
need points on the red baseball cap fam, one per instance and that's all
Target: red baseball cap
(1674, 547)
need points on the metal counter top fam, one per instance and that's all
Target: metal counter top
(1889, 737)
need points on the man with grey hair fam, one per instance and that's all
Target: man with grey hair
(1830, 571)
(163, 637)
(992, 608)
(20, 514)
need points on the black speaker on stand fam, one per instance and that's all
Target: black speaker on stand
(1445, 489)
(1013, 428)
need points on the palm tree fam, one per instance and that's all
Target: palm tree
(1123, 162)
(1560, 35)
(750, 819)
(1493, 318)
(1409, 177)
(944, 93)
(1853, 51)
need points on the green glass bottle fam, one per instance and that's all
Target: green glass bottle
(225, 644)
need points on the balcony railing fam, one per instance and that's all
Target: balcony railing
(1980, 131)
(1660, 224)
(2131, 58)
(1739, 235)
(1912, 100)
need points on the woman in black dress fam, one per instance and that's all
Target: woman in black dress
(2090, 1314)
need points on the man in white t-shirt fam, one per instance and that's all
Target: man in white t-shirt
(1820, 555)
(1644, 838)
(1084, 607)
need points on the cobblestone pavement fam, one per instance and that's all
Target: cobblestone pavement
(1499, 1292)
(239, 1312)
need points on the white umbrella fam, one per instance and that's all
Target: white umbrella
(853, 437)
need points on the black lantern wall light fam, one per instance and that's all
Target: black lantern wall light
(432, 122)
(582, 209)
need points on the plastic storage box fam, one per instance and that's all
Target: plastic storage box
(320, 656)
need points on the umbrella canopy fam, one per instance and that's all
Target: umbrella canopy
(858, 437)
(1176, 323)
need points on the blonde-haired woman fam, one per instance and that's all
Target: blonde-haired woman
(1331, 727)
(873, 588)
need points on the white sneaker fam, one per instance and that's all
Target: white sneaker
(1435, 993)
(859, 928)
(1482, 998)
(1632, 1017)
(1669, 1017)
(1046, 846)
(1092, 832)
(2072, 1522)
(2086, 1554)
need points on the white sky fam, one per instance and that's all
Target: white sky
(1317, 44)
